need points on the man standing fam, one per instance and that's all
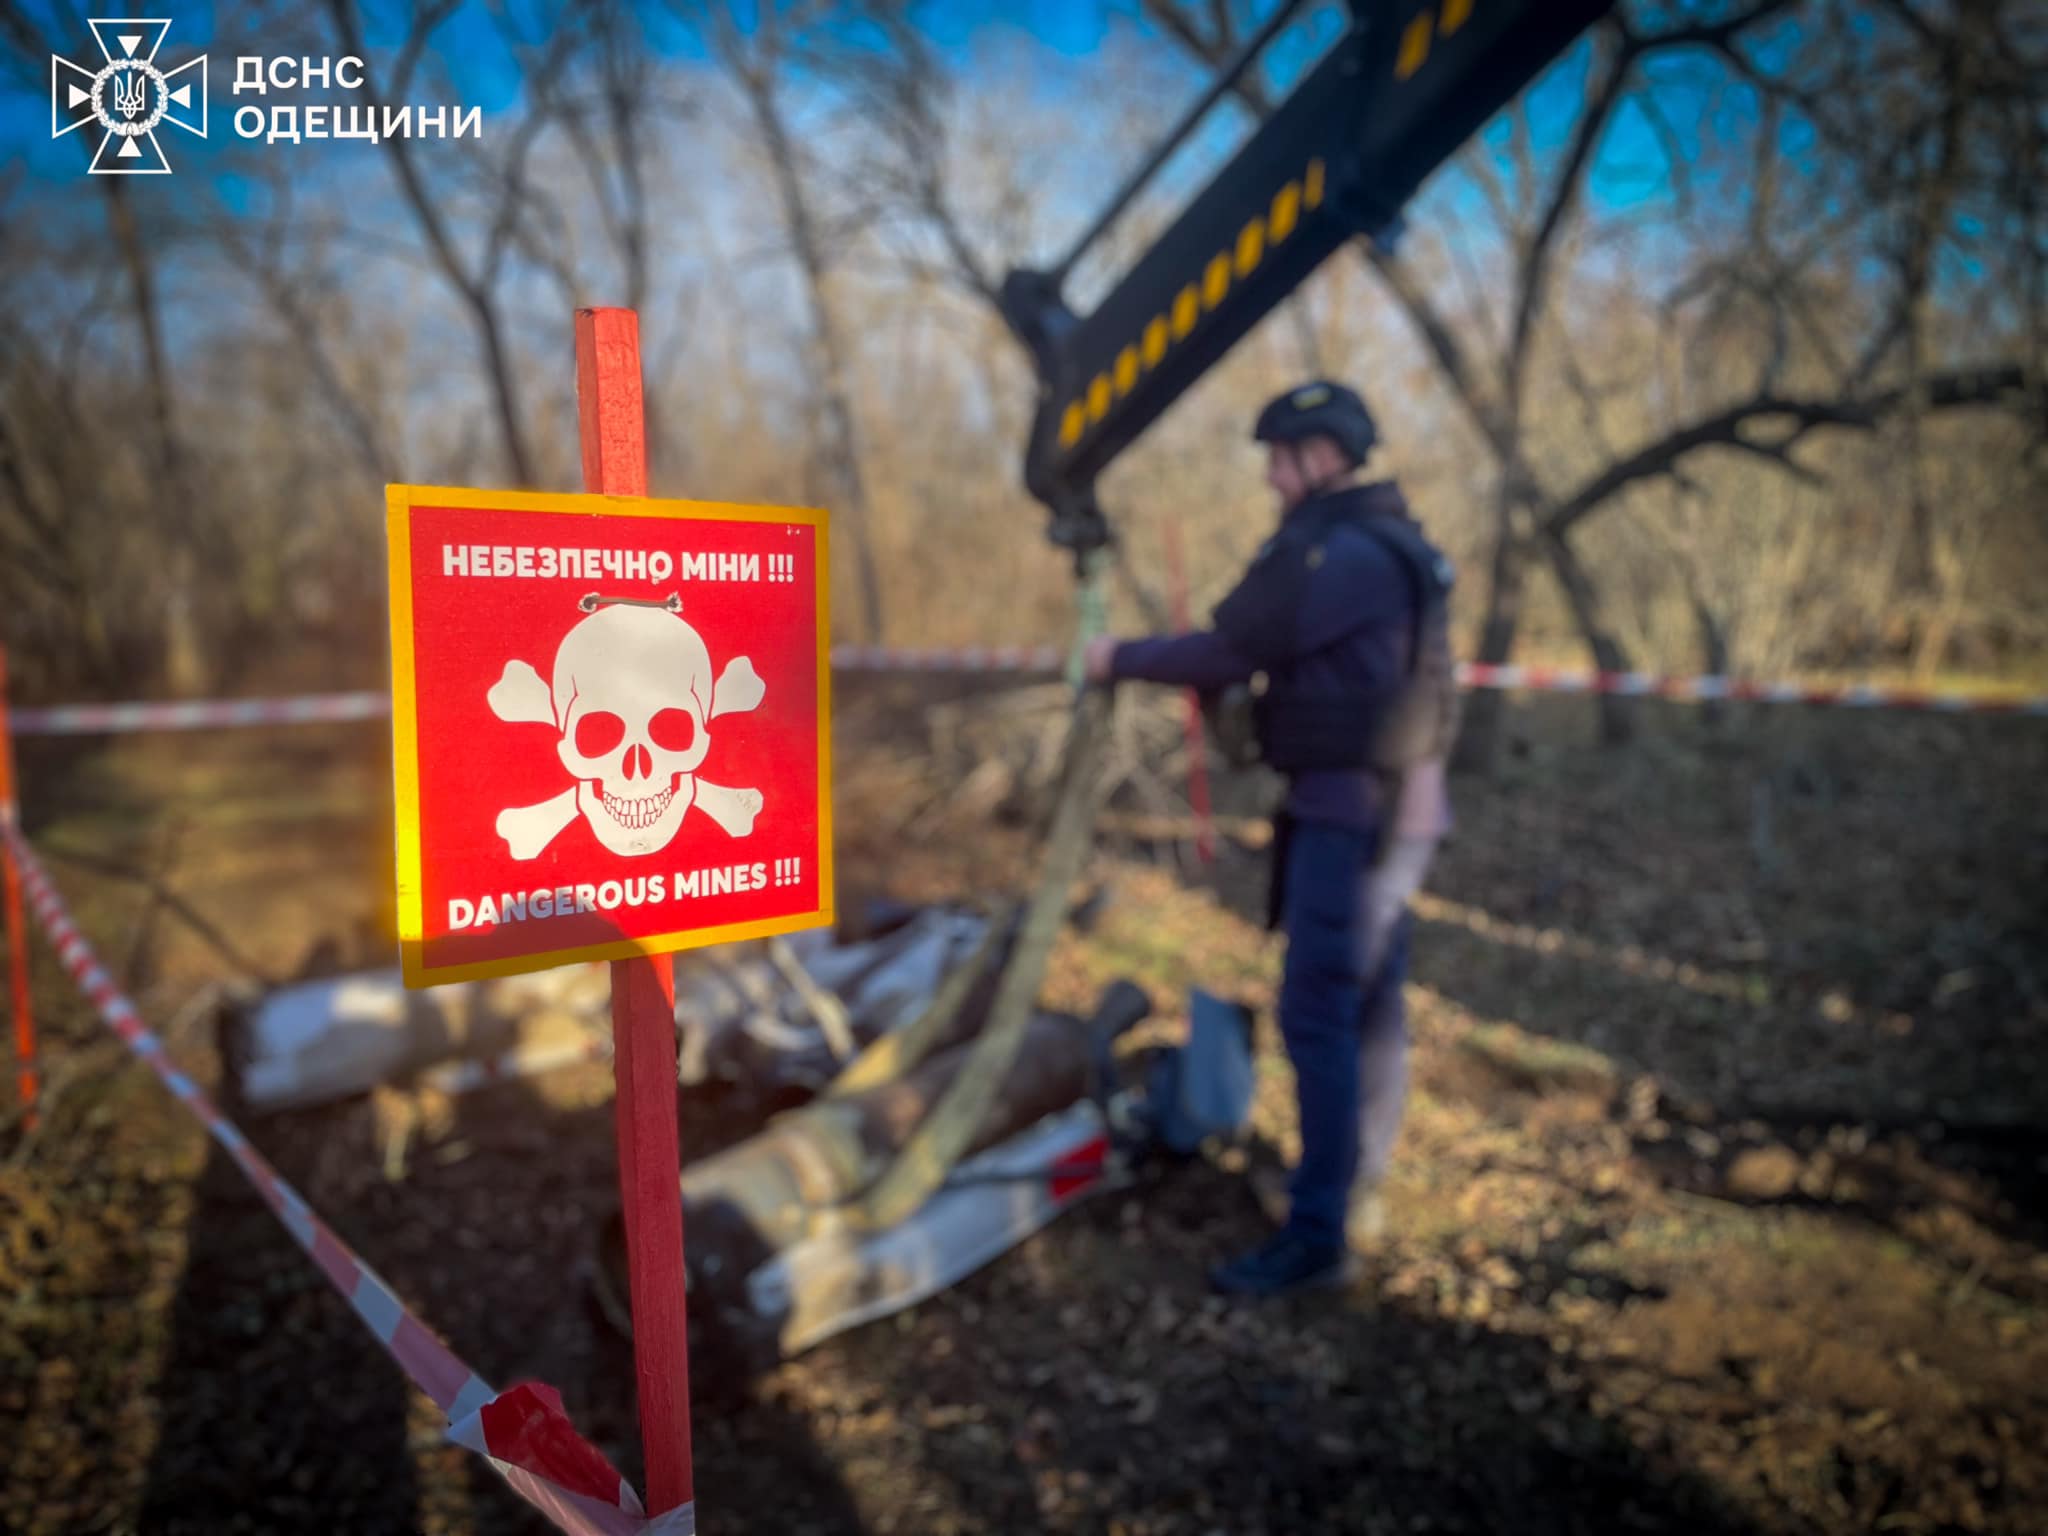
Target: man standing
(1342, 613)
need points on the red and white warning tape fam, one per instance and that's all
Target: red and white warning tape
(973, 658)
(196, 714)
(523, 1430)
(1697, 689)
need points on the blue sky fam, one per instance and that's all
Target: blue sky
(468, 49)
(976, 35)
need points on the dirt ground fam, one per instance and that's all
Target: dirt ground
(1718, 1206)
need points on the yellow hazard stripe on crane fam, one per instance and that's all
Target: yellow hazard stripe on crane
(1166, 330)
(1414, 47)
(1452, 15)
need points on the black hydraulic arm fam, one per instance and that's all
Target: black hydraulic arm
(1406, 85)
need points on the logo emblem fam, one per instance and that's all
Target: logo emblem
(128, 97)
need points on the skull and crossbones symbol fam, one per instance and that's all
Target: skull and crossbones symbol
(632, 702)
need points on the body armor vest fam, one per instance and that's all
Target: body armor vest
(1362, 728)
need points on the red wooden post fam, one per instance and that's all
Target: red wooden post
(25, 1082)
(1198, 757)
(609, 412)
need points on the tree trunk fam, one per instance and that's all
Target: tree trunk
(1304, 322)
(1617, 716)
(473, 288)
(504, 389)
(1713, 650)
(1950, 563)
(1913, 578)
(1931, 648)
(1479, 735)
(842, 444)
(184, 654)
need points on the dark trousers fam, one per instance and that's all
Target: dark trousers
(1346, 1031)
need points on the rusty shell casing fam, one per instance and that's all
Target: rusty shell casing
(754, 1199)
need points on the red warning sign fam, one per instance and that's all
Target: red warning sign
(611, 727)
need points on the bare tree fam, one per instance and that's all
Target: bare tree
(756, 61)
(1743, 428)
(139, 252)
(1536, 518)
(260, 252)
(610, 121)
(47, 576)
(477, 279)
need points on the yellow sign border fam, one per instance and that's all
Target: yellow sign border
(399, 501)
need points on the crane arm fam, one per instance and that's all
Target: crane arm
(1408, 82)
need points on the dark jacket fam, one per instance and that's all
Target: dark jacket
(1347, 628)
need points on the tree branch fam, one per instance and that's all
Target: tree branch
(1715, 34)
(1956, 389)
(1535, 264)
(1391, 270)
